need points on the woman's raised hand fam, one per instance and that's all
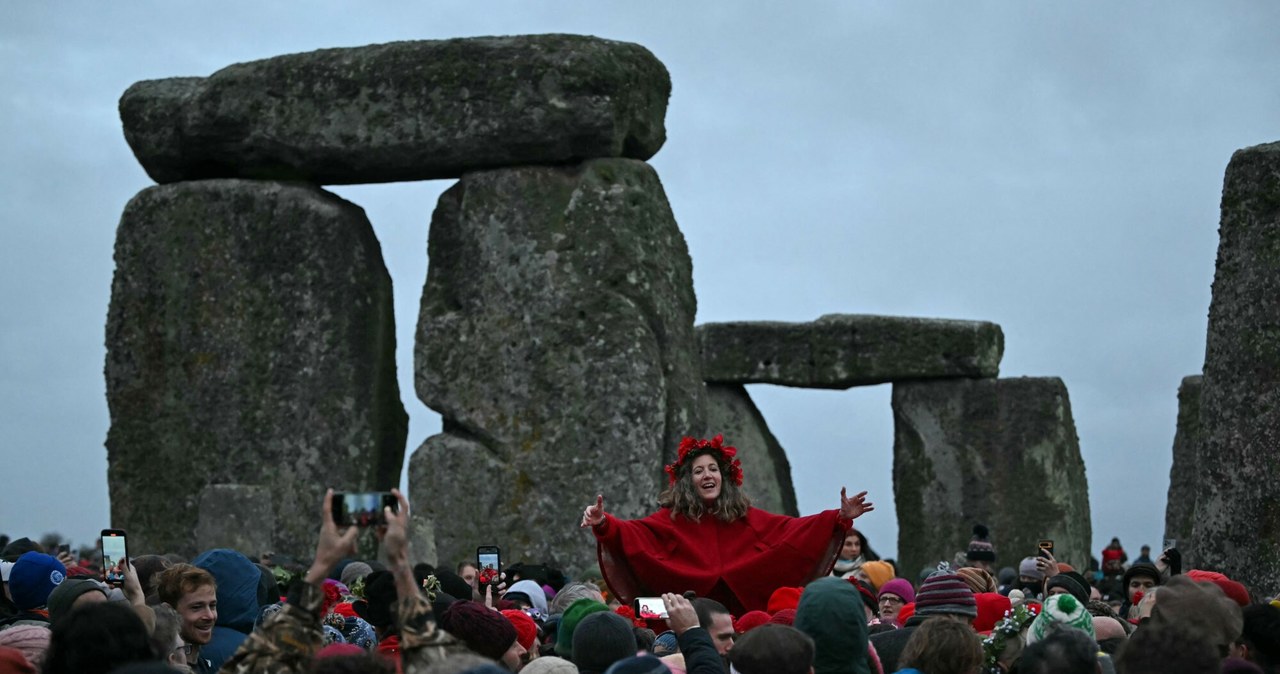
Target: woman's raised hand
(852, 508)
(594, 514)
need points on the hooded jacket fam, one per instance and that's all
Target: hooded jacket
(238, 580)
(831, 613)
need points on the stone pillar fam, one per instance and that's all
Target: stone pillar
(1186, 470)
(766, 471)
(1000, 452)
(1237, 511)
(250, 341)
(556, 339)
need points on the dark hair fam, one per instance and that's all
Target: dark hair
(706, 609)
(1262, 635)
(773, 649)
(868, 555)
(645, 638)
(942, 647)
(96, 639)
(1064, 650)
(682, 498)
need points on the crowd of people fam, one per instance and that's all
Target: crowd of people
(797, 596)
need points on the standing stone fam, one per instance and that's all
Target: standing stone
(403, 111)
(250, 341)
(238, 517)
(766, 471)
(1000, 452)
(556, 339)
(1237, 513)
(839, 351)
(1186, 470)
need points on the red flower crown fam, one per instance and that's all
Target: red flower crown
(724, 455)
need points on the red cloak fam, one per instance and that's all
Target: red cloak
(738, 563)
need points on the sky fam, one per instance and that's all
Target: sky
(1053, 167)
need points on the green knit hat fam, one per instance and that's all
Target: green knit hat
(572, 616)
(1063, 609)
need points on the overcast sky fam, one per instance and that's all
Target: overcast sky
(1053, 167)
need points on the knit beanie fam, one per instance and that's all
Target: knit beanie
(978, 580)
(900, 587)
(601, 639)
(786, 616)
(639, 664)
(30, 640)
(867, 594)
(526, 628)
(980, 547)
(878, 573)
(1201, 608)
(549, 664)
(379, 599)
(945, 593)
(1063, 609)
(353, 572)
(66, 594)
(569, 622)
(454, 585)
(1234, 591)
(666, 643)
(749, 621)
(484, 630)
(784, 597)
(1142, 569)
(1027, 568)
(991, 608)
(33, 578)
(1073, 583)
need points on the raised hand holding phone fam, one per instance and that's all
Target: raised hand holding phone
(115, 551)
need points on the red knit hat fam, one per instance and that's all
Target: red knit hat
(786, 616)
(526, 628)
(991, 608)
(750, 620)
(483, 629)
(784, 597)
(1234, 591)
(904, 613)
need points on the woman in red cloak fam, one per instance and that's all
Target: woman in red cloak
(707, 538)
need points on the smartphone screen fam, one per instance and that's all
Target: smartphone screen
(362, 508)
(650, 608)
(489, 561)
(114, 552)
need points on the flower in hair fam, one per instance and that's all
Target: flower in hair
(690, 447)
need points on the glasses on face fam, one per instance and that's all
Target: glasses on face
(887, 599)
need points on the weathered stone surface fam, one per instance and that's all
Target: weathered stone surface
(765, 469)
(1237, 515)
(403, 111)
(556, 339)
(238, 517)
(839, 351)
(1185, 473)
(1000, 452)
(250, 340)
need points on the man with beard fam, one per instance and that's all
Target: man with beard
(193, 593)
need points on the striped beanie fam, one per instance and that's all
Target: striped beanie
(945, 593)
(978, 580)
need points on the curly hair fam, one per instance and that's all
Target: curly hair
(682, 497)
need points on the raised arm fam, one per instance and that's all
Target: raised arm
(852, 508)
(594, 513)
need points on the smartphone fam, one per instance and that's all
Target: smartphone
(649, 608)
(1169, 544)
(65, 548)
(114, 551)
(362, 508)
(489, 562)
(1046, 546)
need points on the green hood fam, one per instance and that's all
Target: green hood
(831, 613)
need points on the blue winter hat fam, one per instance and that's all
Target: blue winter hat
(33, 578)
